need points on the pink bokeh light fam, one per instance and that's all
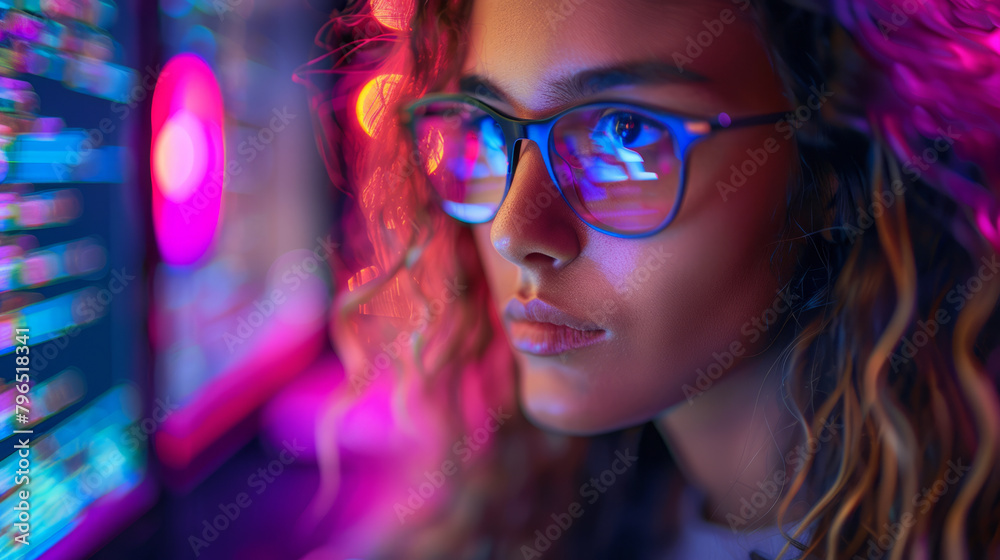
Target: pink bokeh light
(187, 159)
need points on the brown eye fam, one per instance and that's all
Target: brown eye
(626, 128)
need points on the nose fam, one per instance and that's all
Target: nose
(534, 227)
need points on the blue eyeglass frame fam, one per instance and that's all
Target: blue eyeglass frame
(686, 132)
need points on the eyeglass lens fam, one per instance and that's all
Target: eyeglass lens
(617, 166)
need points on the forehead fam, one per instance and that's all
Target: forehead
(524, 45)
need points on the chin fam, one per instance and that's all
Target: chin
(566, 400)
(565, 415)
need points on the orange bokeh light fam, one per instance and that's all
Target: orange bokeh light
(394, 14)
(371, 100)
(437, 152)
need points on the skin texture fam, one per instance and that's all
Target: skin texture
(666, 324)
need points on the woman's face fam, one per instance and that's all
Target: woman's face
(651, 312)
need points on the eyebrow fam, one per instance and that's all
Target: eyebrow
(589, 82)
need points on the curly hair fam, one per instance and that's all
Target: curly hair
(895, 334)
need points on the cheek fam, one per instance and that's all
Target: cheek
(676, 301)
(726, 267)
(501, 274)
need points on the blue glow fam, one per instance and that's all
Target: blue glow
(176, 8)
(66, 157)
(472, 213)
(49, 318)
(200, 40)
(633, 165)
(82, 460)
(599, 171)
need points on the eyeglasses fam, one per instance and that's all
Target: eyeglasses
(620, 166)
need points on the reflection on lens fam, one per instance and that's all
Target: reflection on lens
(434, 144)
(468, 212)
(464, 154)
(617, 166)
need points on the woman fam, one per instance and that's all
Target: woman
(766, 229)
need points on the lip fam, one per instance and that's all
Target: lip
(542, 329)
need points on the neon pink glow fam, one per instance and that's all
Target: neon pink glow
(229, 398)
(179, 160)
(187, 159)
(989, 225)
(942, 59)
